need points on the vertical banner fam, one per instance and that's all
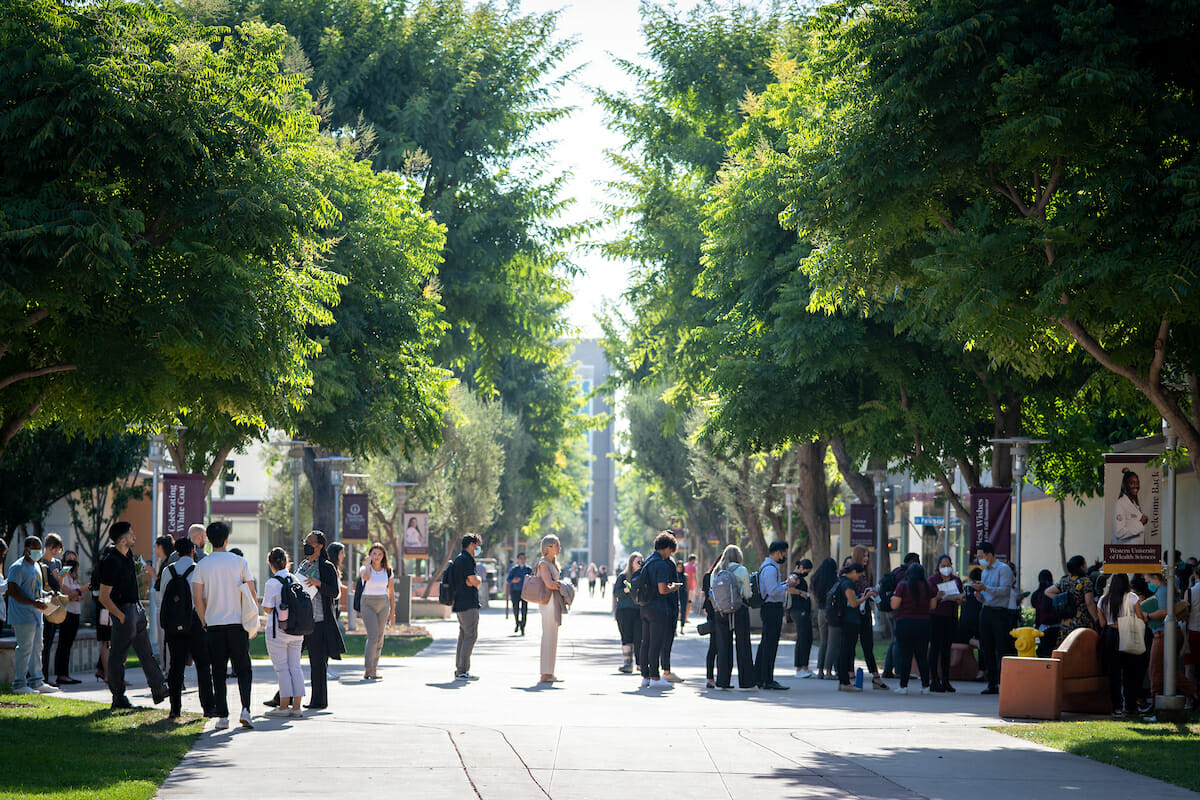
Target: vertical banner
(991, 520)
(183, 503)
(354, 518)
(862, 525)
(416, 534)
(1133, 498)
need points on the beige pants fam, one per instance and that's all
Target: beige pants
(549, 638)
(374, 615)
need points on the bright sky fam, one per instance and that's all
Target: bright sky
(603, 29)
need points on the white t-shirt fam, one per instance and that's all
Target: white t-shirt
(374, 582)
(218, 579)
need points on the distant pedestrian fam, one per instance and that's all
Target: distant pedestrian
(325, 641)
(692, 571)
(773, 586)
(685, 596)
(378, 606)
(603, 578)
(658, 621)
(217, 596)
(628, 615)
(283, 647)
(192, 641)
(25, 591)
(552, 611)
(592, 575)
(800, 609)
(466, 605)
(516, 580)
(119, 594)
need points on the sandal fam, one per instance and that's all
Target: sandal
(878, 683)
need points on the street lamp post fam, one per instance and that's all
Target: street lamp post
(337, 470)
(880, 478)
(1020, 452)
(403, 580)
(157, 455)
(296, 468)
(1167, 701)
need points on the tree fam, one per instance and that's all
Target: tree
(159, 231)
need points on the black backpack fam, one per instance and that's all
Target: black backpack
(887, 587)
(446, 587)
(756, 598)
(643, 590)
(175, 616)
(299, 606)
(1064, 603)
(836, 604)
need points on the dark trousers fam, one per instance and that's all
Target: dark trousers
(48, 630)
(1124, 671)
(912, 640)
(229, 644)
(768, 643)
(664, 658)
(318, 665)
(733, 640)
(993, 630)
(133, 632)
(520, 610)
(656, 625)
(629, 623)
(941, 642)
(866, 636)
(804, 638)
(845, 659)
(66, 638)
(180, 646)
(710, 657)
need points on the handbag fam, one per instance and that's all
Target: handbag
(358, 590)
(1133, 634)
(534, 590)
(249, 611)
(704, 628)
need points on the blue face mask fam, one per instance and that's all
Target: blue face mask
(36, 555)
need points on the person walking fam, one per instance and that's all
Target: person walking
(378, 606)
(943, 622)
(25, 606)
(283, 647)
(695, 597)
(603, 579)
(217, 596)
(119, 594)
(824, 578)
(800, 610)
(994, 586)
(1124, 669)
(515, 580)
(191, 641)
(658, 622)
(773, 586)
(912, 603)
(852, 574)
(628, 615)
(466, 605)
(551, 612)
(592, 574)
(69, 629)
(325, 642)
(733, 629)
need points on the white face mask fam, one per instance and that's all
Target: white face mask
(947, 571)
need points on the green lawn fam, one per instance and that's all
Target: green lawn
(58, 749)
(1159, 750)
(393, 647)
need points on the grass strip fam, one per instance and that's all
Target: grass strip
(1155, 749)
(115, 755)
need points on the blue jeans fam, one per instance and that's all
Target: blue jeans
(27, 657)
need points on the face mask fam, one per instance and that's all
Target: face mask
(309, 549)
(984, 563)
(947, 571)
(36, 555)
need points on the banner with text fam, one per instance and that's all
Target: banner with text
(1133, 497)
(416, 534)
(991, 521)
(354, 518)
(862, 525)
(183, 503)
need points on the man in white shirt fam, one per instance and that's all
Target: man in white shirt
(217, 595)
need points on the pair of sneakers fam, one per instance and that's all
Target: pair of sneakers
(243, 719)
(282, 711)
(43, 688)
(657, 683)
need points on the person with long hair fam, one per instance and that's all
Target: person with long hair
(801, 613)
(710, 613)
(943, 621)
(1044, 618)
(866, 627)
(912, 602)
(378, 606)
(628, 615)
(69, 579)
(825, 577)
(851, 575)
(325, 642)
(283, 648)
(733, 630)
(1129, 522)
(551, 612)
(1124, 672)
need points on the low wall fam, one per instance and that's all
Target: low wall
(84, 654)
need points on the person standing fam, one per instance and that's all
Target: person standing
(552, 611)
(657, 620)
(801, 612)
(994, 586)
(191, 641)
(866, 628)
(1043, 615)
(1124, 673)
(674, 600)
(912, 602)
(628, 615)
(25, 607)
(69, 579)
(283, 647)
(733, 630)
(1079, 586)
(852, 575)
(51, 568)
(685, 595)
(1156, 615)
(378, 606)
(466, 605)
(217, 596)
(773, 587)
(119, 594)
(325, 641)
(515, 580)
(943, 622)
(692, 571)
(823, 581)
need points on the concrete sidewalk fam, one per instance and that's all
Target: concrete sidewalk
(597, 735)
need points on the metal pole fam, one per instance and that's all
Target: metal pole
(295, 518)
(152, 616)
(1016, 545)
(1170, 630)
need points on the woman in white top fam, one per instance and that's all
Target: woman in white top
(378, 606)
(551, 612)
(1124, 669)
(282, 647)
(1129, 523)
(69, 578)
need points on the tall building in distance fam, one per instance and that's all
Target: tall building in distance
(591, 367)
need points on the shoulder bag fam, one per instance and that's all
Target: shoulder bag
(1132, 631)
(534, 589)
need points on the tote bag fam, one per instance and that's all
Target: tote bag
(1132, 631)
(534, 590)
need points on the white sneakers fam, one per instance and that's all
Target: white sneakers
(803, 673)
(46, 688)
(661, 684)
(25, 690)
(278, 712)
(221, 724)
(245, 719)
(645, 682)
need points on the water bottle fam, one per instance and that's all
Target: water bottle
(858, 678)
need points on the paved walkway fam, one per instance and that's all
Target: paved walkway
(596, 736)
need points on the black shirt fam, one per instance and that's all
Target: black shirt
(800, 605)
(120, 573)
(466, 597)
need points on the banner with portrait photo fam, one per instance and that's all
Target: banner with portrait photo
(415, 538)
(1133, 497)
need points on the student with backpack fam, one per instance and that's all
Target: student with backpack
(652, 585)
(729, 594)
(282, 602)
(182, 631)
(843, 606)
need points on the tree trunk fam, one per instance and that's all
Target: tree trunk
(862, 486)
(748, 512)
(319, 479)
(812, 497)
